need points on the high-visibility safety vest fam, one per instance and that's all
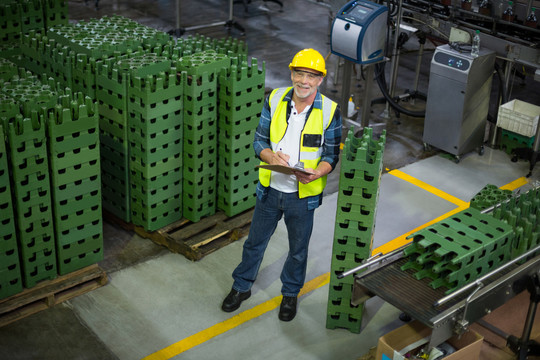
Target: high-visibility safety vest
(311, 140)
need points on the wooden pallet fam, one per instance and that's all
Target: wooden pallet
(194, 240)
(48, 293)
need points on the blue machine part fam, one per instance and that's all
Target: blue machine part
(359, 32)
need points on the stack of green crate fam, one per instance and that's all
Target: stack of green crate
(10, 268)
(111, 95)
(241, 97)
(30, 176)
(522, 214)
(8, 69)
(155, 137)
(32, 52)
(55, 12)
(10, 22)
(459, 249)
(30, 93)
(200, 132)
(31, 12)
(84, 75)
(73, 142)
(361, 168)
(58, 61)
(489, 196)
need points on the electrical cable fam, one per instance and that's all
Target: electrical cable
(381, 80)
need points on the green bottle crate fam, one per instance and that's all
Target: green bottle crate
(31, 12)
(10, 23)
(205, 155)
(240, 179)
(8, 69)
(59, 63)
(84, 75)
(158, 181)
(55, 12)
(195, 130)
(511, 141)
(74, 235)
(151, 155)
(115, 199)
(233, 208)
(143, 64)
(195, 211)
(234, 124)
(154, 196)
(203, 170)
(153, 97)
(10, 278)
(167, 131)
(68, 265)
(209, 62)
(159, 215)
(156, 168)
(81, 247)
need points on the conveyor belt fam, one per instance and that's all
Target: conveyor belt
(413, 297)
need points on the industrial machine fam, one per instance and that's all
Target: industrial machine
(455, 272)
(359, 32)
(358, 35)
(454, 313)
(458, 99)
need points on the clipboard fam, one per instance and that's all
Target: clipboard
(289, 170)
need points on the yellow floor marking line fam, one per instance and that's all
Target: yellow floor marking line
(402, 240)
(429, 188)
(222, 327)
(515, 184)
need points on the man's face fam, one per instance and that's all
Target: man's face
(305, 81)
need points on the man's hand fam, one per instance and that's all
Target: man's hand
(274, 158)
(306, 178)
(322, 169)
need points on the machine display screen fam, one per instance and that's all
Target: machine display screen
(452, 61)
(359, 12)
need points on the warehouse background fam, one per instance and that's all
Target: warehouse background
(125, 102)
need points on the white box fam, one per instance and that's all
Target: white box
(519, 117)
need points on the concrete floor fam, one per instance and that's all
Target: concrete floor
(160, 305)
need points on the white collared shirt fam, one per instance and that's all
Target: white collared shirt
(290, 145)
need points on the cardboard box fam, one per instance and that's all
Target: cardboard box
(416, 335)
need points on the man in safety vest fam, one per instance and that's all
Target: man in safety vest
(298, 127)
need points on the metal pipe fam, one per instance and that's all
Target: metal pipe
(372, 260)
(479, 280)
(346, 87)
(417, 71)
(231, 5)
(366, 107)
(531, 313)
(507, 74)
(395, 53)
(178, 14)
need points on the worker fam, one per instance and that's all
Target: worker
(298, 125)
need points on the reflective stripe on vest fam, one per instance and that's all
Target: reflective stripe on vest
(317, 123)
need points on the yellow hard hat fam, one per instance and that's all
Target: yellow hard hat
(310, 59)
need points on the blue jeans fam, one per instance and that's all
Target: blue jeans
(299, 222)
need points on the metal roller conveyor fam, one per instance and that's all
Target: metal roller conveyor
(445, 314)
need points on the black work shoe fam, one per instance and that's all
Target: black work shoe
(234, 299)
(287, 310)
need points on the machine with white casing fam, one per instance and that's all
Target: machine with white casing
(458, 99)
(359, 36)
(359, 32)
